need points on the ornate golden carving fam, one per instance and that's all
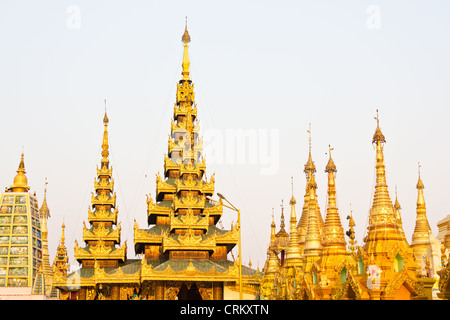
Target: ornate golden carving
(141, 236)
(153, 208)
(171, 290)
(190, 201)
(101, 232)
(401, 278)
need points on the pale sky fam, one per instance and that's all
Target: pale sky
(262, 67)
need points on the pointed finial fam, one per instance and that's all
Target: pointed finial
(22, 163)
(293, 201)
(186, 37)
(273, 219)
(309, 166)
(105, 118)
(330, 165)
(397, 204)
(309, 131)
(282, 215)
(44, 211)
(378, 136)
(420, 184)
(105, 143)
(351, 222)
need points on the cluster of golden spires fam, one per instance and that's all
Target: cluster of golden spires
(313, 262)
(184, 254)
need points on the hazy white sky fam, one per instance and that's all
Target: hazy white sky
(264, 67)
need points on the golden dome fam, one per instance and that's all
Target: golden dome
(20, 179)
(20, 183)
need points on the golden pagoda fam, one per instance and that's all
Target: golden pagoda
(61, 262)
(386, 250)
(282, 259)
(309, 170)
(385, 265)
(183, 254)
(313, 238)
(293, 252)
(420, 238)
(335, 262)
(271, 268)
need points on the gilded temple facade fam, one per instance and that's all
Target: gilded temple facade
(184, 255)
(325, 267)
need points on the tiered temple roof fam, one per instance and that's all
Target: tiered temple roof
(103, 235)
(182, 251)
(182, 220)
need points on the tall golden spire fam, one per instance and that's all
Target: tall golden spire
(44, 212)
(20, 183)
(333, 241)
(381, 197)
(272, 229)
(384, 232)
(334, 245)
(293, 252)
(185, 65)
(101, 238)
(63, 237)
(397, 208)
(61, 263)
(420, 238)
(313, 241)
(309, 170)
(282, 231)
